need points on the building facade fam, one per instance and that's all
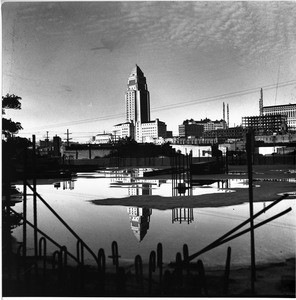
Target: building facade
(191, 130)
(266, 124)
(287, 110)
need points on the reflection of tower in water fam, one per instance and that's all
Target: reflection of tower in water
(139, 218)
(182, 215)
(140, 189)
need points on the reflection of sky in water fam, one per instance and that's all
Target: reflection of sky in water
(98, 225)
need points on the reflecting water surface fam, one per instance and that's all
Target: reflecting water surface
(137, 230)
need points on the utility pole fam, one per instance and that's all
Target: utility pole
(68, 138)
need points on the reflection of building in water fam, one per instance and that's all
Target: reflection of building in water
(182, 215)
(139, 218)
(66, 185)
(140, 189)
(224, 184)
(133, 180)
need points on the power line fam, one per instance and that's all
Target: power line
(177, 105)
(220, 97)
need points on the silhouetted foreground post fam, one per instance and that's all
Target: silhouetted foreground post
(227, 271)
(249, 148)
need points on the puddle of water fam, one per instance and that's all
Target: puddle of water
(138, 230)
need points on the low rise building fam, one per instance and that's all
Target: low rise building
(103, 138)
(191, 129)
(287, 110)
(151, 130)
(123, 130)
(221, 135)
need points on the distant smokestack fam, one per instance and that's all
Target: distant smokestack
(227, 115)
(261, 103)
(223, 111)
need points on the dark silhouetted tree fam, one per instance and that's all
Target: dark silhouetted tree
(10, 127)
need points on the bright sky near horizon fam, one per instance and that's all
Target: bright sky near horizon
(70, 61)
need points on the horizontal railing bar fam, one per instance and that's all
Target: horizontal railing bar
(214, 245)
(45, 235)
(237, 227)
(256, 226)
(64, 223)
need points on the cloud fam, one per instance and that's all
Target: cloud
(67, 88)
(250, 31)
(109, 44)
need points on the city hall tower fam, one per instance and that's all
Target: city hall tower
(137, 98)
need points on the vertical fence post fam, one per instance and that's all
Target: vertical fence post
(115, 255)
(35, 198)
(202, 277)
(25, 204)
(249, 148)
(101, 268)
(178, 270)
(57, 260)
(139, 272)
(159, 262)
(64, 258)
(227, 271)
(80, 257)
(185, 256)
(42, 242)
(18, 261)
(152, 266)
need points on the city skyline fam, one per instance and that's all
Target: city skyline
(69, 61)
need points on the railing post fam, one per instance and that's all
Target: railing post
(64, 259)
(167, 288)
(152, 266)
(178, 269)
(120, 276)
(80, 257)
(249, 148)
(57, 261)
(227, 271)
(18, 262)
(185, 256)
(202, 277)
(25, 204)
(34, 197)
(159, 262)
(101, 268)
(115, 255)
(42, 240)
(139, 272)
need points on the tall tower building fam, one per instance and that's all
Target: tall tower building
(137, 98)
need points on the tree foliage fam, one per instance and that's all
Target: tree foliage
(10, 102)
(10, 127)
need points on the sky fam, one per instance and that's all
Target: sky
(70, 61)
